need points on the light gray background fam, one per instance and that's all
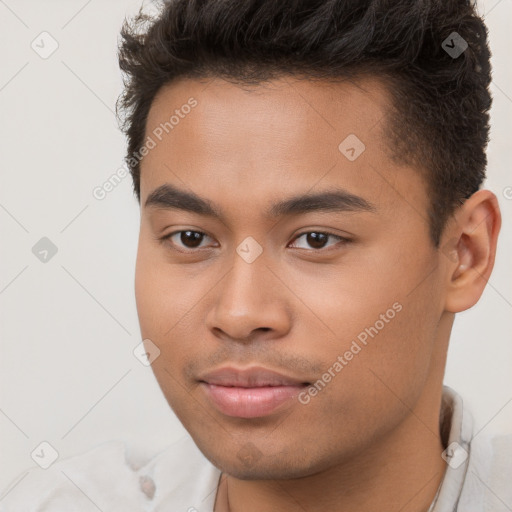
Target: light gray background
(69, 326)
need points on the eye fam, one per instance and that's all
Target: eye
(186, 239)
(318, 240)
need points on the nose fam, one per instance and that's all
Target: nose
(249, 300)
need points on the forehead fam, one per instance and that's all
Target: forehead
(283, 136)
(287, 108)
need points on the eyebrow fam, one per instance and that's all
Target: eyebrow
(333, 200)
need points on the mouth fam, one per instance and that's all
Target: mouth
(250, 393)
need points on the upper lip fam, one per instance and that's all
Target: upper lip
(253, 377)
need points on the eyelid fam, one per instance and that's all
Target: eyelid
(167, 239)
(341, 240)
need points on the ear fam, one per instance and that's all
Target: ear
(469, 244)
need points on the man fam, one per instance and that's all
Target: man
(312, 219)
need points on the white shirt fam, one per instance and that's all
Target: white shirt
(478, 476)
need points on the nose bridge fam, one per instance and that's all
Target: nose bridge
(248, 297)
(248, 269)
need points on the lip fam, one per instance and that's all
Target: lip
(251, 392)
(253, 377)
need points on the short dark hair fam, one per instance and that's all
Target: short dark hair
(439, 118)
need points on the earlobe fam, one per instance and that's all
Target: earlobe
(474, 234)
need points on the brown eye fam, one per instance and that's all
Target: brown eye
(318, 240)
(185, 239)
(191, 239)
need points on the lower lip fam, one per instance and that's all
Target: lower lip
(250, 402)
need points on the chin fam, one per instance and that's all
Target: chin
(248, 463)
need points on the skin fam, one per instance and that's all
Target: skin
(370, 439)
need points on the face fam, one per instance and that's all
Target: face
(300, 251)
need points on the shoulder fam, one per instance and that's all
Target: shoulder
(488, 474)
(194, 478)
(107, 478)
(499, 489)
(101, 476)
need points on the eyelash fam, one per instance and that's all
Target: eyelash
(341, 240)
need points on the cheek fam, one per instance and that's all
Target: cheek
(163, 291)
(159, 311)
(381, 319)
(168, 300)
(147, 294)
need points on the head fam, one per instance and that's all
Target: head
(309, 180)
